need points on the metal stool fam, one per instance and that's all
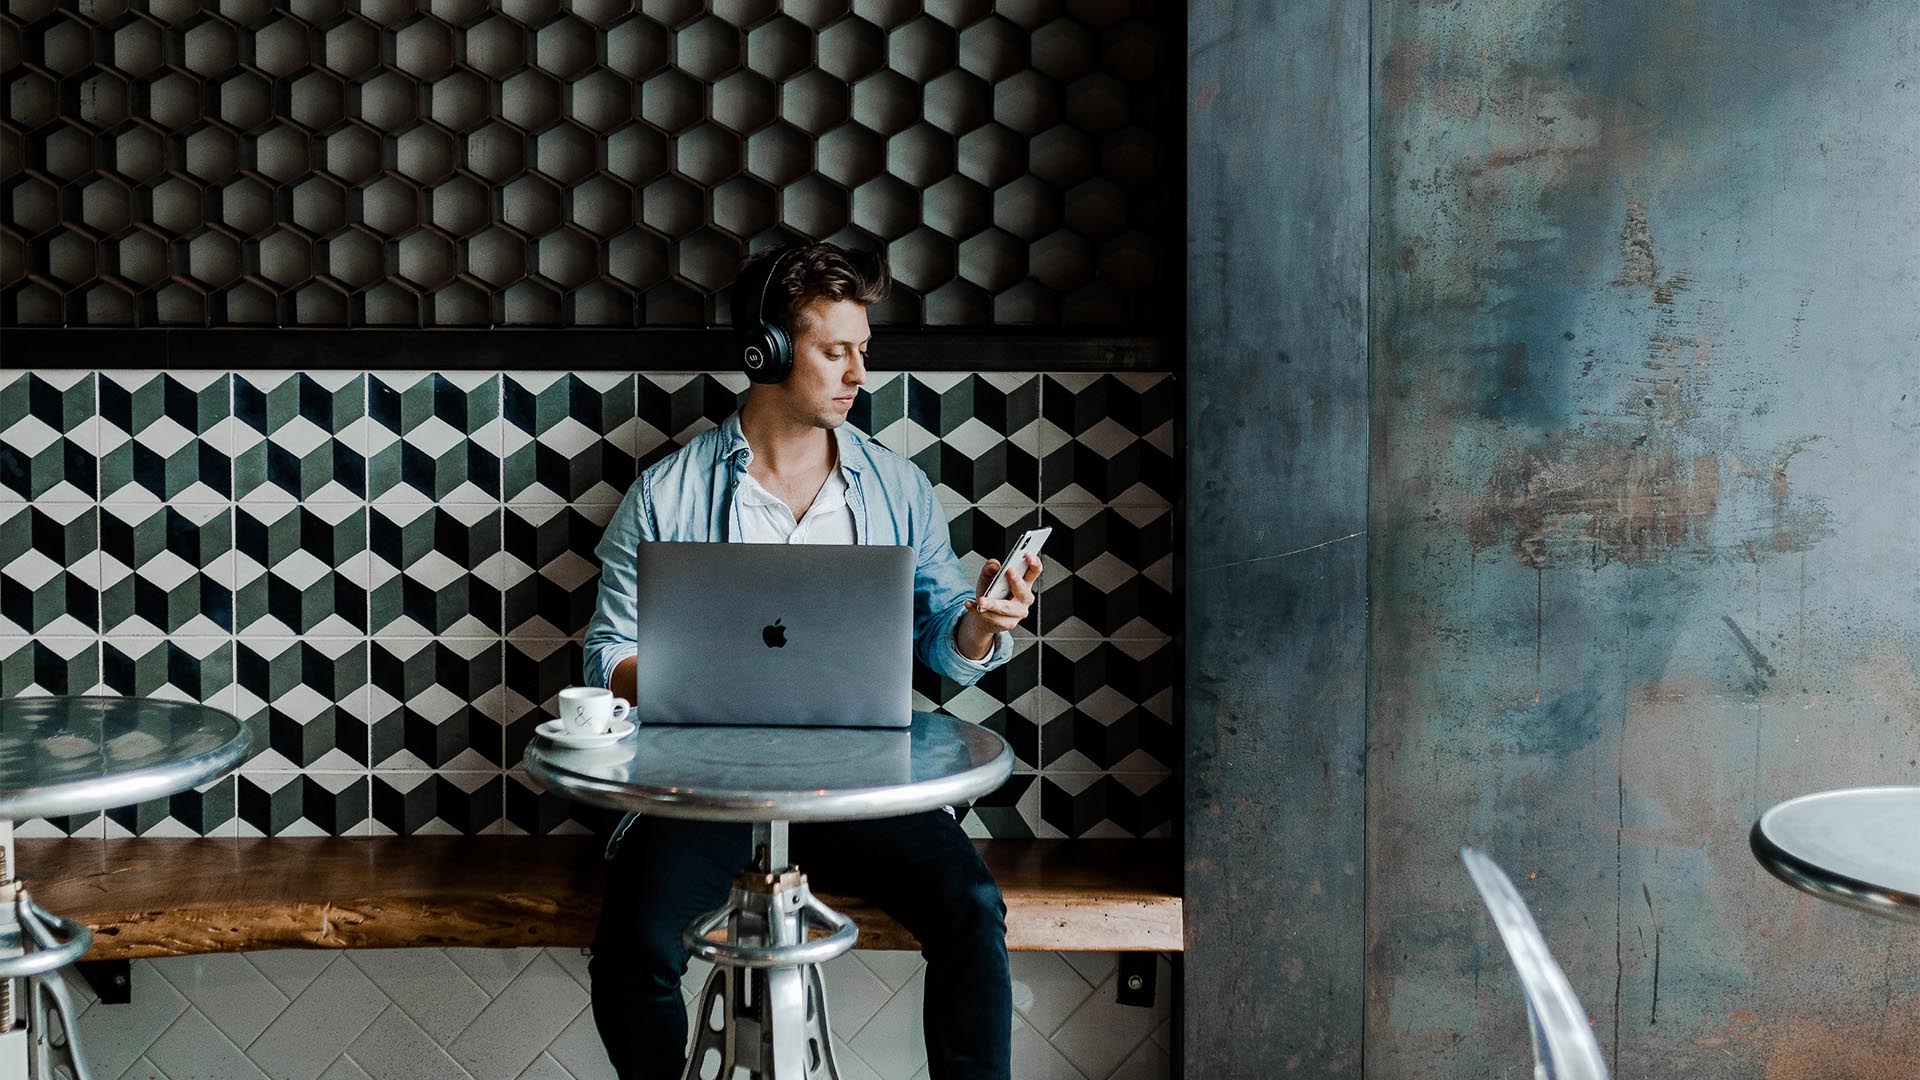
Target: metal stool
(69, 755)
(764, 1008)
(24, 923)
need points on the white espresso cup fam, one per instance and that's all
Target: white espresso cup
(590, 710)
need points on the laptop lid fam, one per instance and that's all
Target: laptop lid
(792, 634)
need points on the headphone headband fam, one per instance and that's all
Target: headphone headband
(766, 283)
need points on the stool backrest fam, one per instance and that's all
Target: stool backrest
(1563, 1044)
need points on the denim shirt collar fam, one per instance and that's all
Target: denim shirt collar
(735, 451)
(736, 455)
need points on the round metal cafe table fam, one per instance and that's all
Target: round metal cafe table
(1859, 847)
(764, 1009)
(72, 755)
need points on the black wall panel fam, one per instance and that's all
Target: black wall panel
(459, 164)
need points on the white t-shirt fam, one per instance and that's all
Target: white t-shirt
(765, 519)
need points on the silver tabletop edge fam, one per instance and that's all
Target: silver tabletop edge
(1825, 882)
(107, 788)
(572, 773)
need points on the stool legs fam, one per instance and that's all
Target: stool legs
(764, 1008)
(28, 1046)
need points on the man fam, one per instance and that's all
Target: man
(787, 469)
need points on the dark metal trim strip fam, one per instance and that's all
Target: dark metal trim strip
(574, 350)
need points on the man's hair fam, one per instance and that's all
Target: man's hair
(830, 272)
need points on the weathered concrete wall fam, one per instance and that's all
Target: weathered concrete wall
(1645, 551)
(1276, 457)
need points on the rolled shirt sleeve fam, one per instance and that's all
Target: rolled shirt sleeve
(613, 632)
(940, 595)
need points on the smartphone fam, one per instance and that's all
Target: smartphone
(1000, 588)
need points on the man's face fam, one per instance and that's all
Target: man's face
(829, 362)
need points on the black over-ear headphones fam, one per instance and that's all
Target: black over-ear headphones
(765, 345)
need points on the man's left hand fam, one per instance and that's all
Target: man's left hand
(985, 618)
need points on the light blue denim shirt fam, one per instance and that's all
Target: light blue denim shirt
(691, 496)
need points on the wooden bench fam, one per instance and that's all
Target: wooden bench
(155, 897)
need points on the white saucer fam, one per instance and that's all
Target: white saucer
(555, 732)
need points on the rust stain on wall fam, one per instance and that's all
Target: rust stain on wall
(1636, 243)
(1608, 494)
(1633, 501)
(1616, 492)
(1815, 1049)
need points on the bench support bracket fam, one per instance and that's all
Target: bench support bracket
(111, 980)
(1135, 986)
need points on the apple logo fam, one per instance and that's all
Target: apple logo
(775, 636)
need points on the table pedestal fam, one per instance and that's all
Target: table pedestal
(764, 1008)
(29, 1047)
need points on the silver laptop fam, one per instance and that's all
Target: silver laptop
(816, 635)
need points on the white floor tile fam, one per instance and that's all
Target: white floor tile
(1034, 1058)
(892, 968)
(852, 1065)
(1149, 1062)
(1103, 1033)
(427, 985)
(854, 994)
(420, 1014)
(492, 969)
(1092, 966)
(545, 1068)
(893, 1043)
(291, 970)
(227, 990)
(194, 1049)
(80, 990)
(142, 1069)
(579, 1050)
(115, 1036)
(1046, 989)
(693, 1021)
(395, 1048)
(523, 1020)
(344, 1068)
(574, 963)
(695, 979)
(327, 1016)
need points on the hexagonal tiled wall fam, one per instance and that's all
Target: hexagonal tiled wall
(453, 164)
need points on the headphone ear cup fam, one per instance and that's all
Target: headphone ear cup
(781, 354)
(762, 356)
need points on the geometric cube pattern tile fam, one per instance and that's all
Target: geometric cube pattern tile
(167, 568)
(1108, 571)
(591, 164)
(522, 1014)
(976, 436)
(430, 564)
(391, 589)
(1108, 439)
(433, 436)
(300, 437)
(550, 575)
(166, 437)
(49, 437)
(49, 568)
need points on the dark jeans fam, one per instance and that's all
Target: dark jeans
(922, 870)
